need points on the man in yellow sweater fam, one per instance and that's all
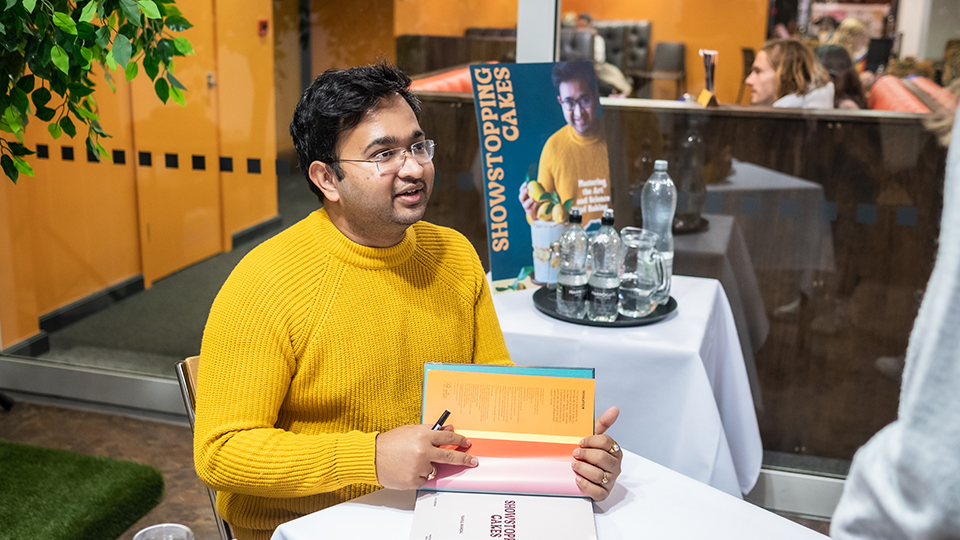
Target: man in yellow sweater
(311, 366)
(573, 162)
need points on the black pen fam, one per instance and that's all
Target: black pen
(443, 418)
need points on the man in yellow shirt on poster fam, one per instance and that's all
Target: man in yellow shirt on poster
(574, 162)
(311, 367)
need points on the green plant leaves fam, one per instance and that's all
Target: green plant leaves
(174, 82)
(60, 59)
(54, 130)
(26, 83)
(89, 11)
(19, 99)
(29, 5)
(149, 9)
(176, 22)
(131, 71)
(67, 125)
(177, 96)
(20, 150)
(162, 89)
(121, 50)
(183, 45)
(22, 166)
(131, 11)
(45, 113)
(65, 23)
(9, 168)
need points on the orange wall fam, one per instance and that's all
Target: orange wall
(702, 24)
(84, 214)
(286, 70)
(452, 18)
(75, 229)
(352, 33)
(247, 113)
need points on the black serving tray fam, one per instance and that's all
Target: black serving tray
(545, 300)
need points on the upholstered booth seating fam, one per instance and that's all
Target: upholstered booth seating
(576, 44)
(911, 95)
(455, 80)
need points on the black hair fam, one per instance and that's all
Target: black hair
(568, 71)
(846, 83)
(335, 103)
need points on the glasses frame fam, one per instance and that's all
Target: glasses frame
(428, 145)
(569, 103)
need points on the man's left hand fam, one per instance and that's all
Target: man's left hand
(598, 459)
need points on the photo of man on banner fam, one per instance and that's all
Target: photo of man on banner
(553, 155)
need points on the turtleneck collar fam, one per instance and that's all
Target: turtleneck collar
(362, 256)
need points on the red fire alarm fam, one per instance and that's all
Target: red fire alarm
(262, 27)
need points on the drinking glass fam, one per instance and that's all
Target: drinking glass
(165, 531)
(643, 278)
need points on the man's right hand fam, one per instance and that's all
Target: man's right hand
(530, 206)
(406, 455)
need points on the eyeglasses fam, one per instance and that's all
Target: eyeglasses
(585, 102)
(391, 161)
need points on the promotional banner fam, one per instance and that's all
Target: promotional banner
(543, 152)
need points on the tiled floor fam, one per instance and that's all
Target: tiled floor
(163, 445)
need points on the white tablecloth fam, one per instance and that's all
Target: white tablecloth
(681, 384)
(720, 252)
(782, 217)
(649, 501)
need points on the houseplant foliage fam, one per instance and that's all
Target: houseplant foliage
(47, 53)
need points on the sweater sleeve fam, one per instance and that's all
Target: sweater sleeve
(247, 362)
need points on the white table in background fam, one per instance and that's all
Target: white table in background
(649, 501)
(782, 217)
(720, 252)
(681, 384)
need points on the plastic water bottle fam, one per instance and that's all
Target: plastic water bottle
(658, 202)
(572, 279)
(604, 281)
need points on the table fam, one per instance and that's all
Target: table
(649, 501)
(783, 217)
(681, 384)
(720, 252)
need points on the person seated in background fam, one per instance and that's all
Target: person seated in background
(847, 91)
(825, 27)
(852, 35)
(787, 74)
(613, 82)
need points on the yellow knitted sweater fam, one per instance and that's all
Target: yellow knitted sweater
(314, 345)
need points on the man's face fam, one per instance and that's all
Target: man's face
(375, 209)
(580, 104)
(762, 81)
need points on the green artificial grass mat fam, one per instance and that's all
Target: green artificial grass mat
(59, 495)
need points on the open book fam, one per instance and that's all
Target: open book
(524, 423)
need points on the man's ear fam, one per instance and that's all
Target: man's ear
(322, 176)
